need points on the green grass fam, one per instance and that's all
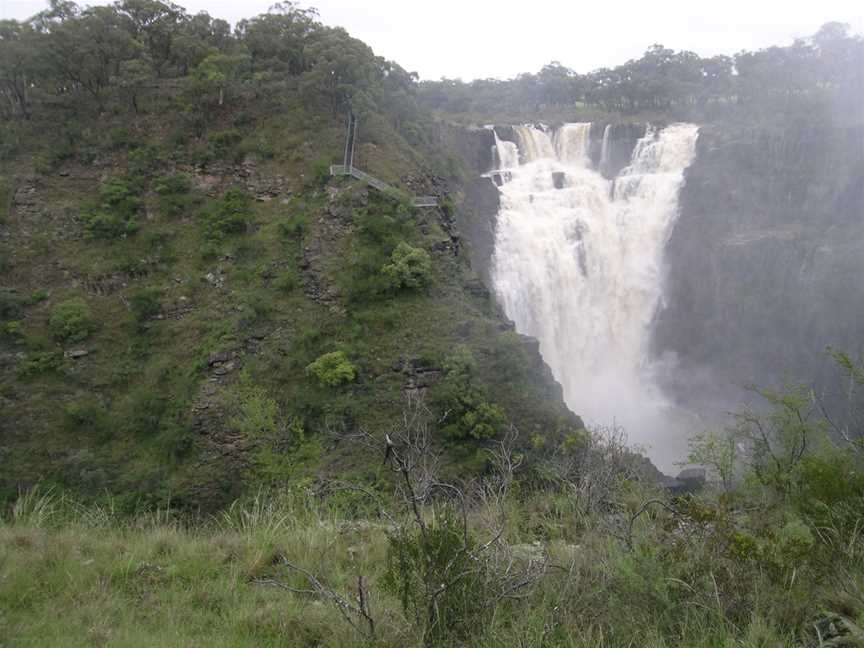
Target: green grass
(76, 575)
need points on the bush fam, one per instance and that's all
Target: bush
(11, 306)
(469, 415)
(255, 305)
(71, 321)
(258, 414)
(224, 144)
(472, 417)
(224, 218)
(107, 226)
(293, 228)
(410, 268)
(86, 416)
(419, 563)
(156, 416)
(286, 281)
(13, 331)
(460, 365)
(332, 369)
(173, 192)
(40, 362)
(143, 160)
(321, 171)
(114, 216)
(145, 303)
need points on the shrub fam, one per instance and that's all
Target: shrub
(286, 281)
(293, 228)
(38, 297)
(173, 192)
(409, 268)
(448, 207)
(224, 144)
(106, 226)
(71, 321)
(472, 417)
(11, 306)
(143, 160)
(13, 331)
(40, 362)
(145, 303)
(332, 369)
(255, 305)
(321, 171)
(149, 412)
(114, 216)
(258, 413)
(469, 415)
(225, 217)
(420, 563)
(86, 416)
(460, 365)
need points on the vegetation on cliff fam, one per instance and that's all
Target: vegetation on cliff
(189, 305)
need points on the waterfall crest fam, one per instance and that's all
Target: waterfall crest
(580, 268)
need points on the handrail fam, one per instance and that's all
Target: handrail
(380, 185)
(349, 169)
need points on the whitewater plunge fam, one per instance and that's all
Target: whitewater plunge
(578, 265)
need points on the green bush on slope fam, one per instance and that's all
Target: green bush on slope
(71, 321)
(332, 369)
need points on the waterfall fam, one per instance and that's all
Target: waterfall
(604, 149)
(534, 143)
(571, 143)
(507, 153)
(580, 269)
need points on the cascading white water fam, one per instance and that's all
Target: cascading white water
(572, 142)
(507, 152)
(604, 149)
(579, 268)
(534, 143)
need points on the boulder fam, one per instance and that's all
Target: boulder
(558, 179)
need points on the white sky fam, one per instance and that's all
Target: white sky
(477, 38)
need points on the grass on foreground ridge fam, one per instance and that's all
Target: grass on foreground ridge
(83, 575)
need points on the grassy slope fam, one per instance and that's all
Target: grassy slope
(72, 576)
(274, 300)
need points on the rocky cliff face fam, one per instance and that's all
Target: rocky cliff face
(766, 258)
(621, 140)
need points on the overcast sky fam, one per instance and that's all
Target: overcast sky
(477, 39)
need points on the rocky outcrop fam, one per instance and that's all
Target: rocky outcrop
(475, 218)
(621, 141)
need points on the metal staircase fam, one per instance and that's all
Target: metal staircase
(347, 168)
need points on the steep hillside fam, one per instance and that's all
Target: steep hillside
(175, 262)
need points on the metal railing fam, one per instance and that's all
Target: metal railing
(380, 185)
